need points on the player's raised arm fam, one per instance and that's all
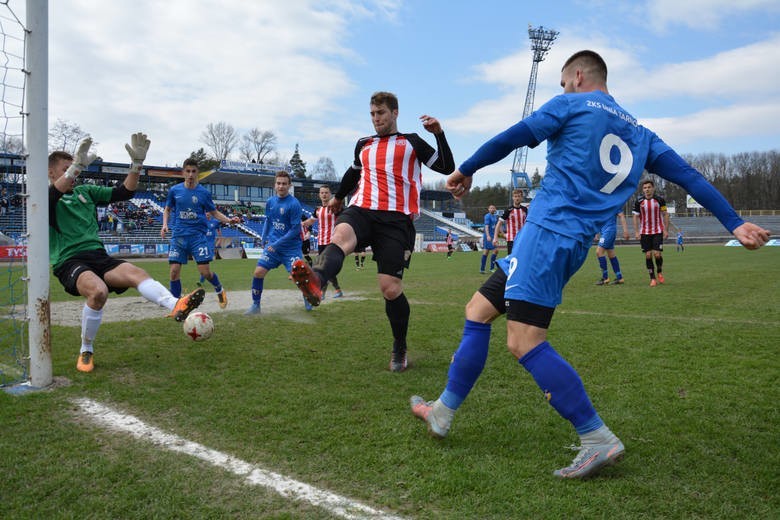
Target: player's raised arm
(81, 159)
(137, 150)
(444, 162)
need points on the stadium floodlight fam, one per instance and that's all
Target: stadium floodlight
(541, 42)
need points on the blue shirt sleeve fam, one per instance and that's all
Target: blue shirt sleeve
(266, 225)
(498, 147)
(673, 168)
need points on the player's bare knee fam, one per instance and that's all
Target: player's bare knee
(480, 310)
(96, 296)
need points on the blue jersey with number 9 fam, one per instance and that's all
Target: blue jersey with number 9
(596, 153)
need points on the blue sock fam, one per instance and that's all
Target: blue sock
(215, 282)
(257, 289)
(562, 387)
(202, 278)
(603, 265)
(467, 363)
(615, 267)
(175, 286)
(493, 261)
(482, 265)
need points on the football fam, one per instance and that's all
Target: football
(198, 326)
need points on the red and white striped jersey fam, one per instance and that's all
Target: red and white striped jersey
(651, 212)
(326, 221)
(391, 172)
(514, 220)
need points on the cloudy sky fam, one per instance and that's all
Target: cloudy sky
(703, 74)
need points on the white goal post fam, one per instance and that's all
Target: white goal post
(37, 204)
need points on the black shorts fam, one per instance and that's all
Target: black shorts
(652, 242)
(389, 233)
(97, 261)
(515, 310)
(305, 247)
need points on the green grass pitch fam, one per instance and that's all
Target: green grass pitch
(685, 373)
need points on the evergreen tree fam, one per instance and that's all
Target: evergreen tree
(297, 166)
(205, 162)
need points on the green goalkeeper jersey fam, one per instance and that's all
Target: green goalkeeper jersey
(75, 219)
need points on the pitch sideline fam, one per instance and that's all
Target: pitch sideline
(284, 486)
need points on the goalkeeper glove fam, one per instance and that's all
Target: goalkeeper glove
(137, 151)
(81, 160)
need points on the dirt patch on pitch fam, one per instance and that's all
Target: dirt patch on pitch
(136, 308)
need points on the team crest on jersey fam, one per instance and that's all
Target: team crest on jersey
(194, 199)
(281, 211)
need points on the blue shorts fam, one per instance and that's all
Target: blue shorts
(273, 259)
(199, 246)
(607, 240)
(487, 244)
(541, 263)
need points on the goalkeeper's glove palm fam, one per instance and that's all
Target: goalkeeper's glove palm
(81, 159)
(137, 150)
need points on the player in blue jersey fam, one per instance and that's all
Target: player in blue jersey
(596, 153)
(189, 203)
(488, 232)
(281, 237)
(606, 249)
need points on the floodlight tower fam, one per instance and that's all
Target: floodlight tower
(541, 41)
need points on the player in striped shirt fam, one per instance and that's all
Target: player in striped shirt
(387, 173)
(650, 211)
(326, 221)
(514, 218)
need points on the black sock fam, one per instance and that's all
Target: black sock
(329, 263)
(650, 269)
(398, 313)
(659, 263)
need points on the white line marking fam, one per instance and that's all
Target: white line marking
(287, 487)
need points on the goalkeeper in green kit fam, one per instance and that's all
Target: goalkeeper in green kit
(77, 254)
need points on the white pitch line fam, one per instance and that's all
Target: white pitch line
(287, 487)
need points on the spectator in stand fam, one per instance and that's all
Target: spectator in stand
(4, 202)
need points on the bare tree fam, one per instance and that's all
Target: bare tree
(324, 170)
(221, 138)
(261, 142)
(245, 151)
(64, 136)
(11, 144)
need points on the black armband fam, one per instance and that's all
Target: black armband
(121, 193)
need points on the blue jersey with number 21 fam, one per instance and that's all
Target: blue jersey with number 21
(596, 153)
